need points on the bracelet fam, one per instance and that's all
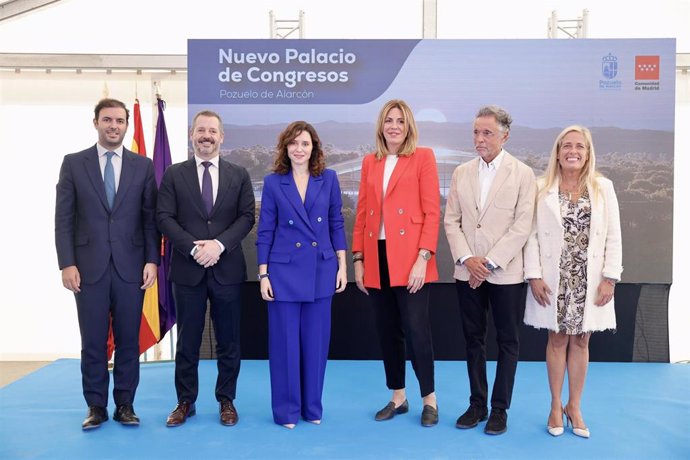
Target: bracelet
(358, 257)
(262, 276)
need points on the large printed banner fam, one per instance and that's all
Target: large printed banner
(623, 90)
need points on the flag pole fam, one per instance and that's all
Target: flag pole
(161, 160)
(157, 351)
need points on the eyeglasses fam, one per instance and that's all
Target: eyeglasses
(485, 133)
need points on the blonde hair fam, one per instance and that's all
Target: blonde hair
(410, 144)
(588, 174)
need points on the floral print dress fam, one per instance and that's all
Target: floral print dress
(572, 286)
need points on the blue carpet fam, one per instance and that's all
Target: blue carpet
(634, 410)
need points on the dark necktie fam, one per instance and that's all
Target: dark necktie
(207, 188)
(109, 179)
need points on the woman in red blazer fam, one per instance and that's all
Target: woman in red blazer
(394, 244)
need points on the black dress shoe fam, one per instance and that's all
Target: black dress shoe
(471, 418)
(429, 415)
(391, 411)
(498, 422)
(94, 418)
(125, 415)
(179, 415)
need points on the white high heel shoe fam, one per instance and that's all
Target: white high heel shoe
(581, 432)
(556, 430)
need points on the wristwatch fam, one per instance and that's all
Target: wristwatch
(262, 276)
(425, 253)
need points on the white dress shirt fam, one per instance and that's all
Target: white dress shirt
(391, 161)
(487, 174)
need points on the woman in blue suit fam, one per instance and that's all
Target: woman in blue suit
(301, 255)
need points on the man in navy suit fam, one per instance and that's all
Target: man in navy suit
(206, 208)
(108, 249)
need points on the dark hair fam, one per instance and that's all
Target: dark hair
(317, 162)
(108, 104)
(211, 114)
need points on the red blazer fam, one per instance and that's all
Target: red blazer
(411, 213)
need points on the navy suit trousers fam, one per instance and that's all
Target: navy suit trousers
(191, 302)
(109, 296)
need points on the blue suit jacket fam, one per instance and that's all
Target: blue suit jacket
(298, 240)
(88, 233)
(182, 218)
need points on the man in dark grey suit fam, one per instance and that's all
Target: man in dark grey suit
(206, 208)
(108, 250)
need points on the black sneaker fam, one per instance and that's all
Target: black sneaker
(471, 418)
(498, 422)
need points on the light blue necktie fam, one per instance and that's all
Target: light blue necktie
(109, 179)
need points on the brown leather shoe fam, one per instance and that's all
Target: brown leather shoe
(178, 416)
(228, 413)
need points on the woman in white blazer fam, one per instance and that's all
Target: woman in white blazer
(572, 262)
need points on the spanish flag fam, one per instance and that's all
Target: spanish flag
(149, 333)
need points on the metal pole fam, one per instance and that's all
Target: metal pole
(301, 24)
(553, 25)
(429, 19)
(271, 24)
(585, 23)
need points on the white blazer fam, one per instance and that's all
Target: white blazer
(542, 255)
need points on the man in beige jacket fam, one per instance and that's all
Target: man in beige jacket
(488, 220)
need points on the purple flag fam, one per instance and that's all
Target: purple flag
(161, 160)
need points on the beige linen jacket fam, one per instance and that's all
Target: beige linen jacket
(499, 230)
